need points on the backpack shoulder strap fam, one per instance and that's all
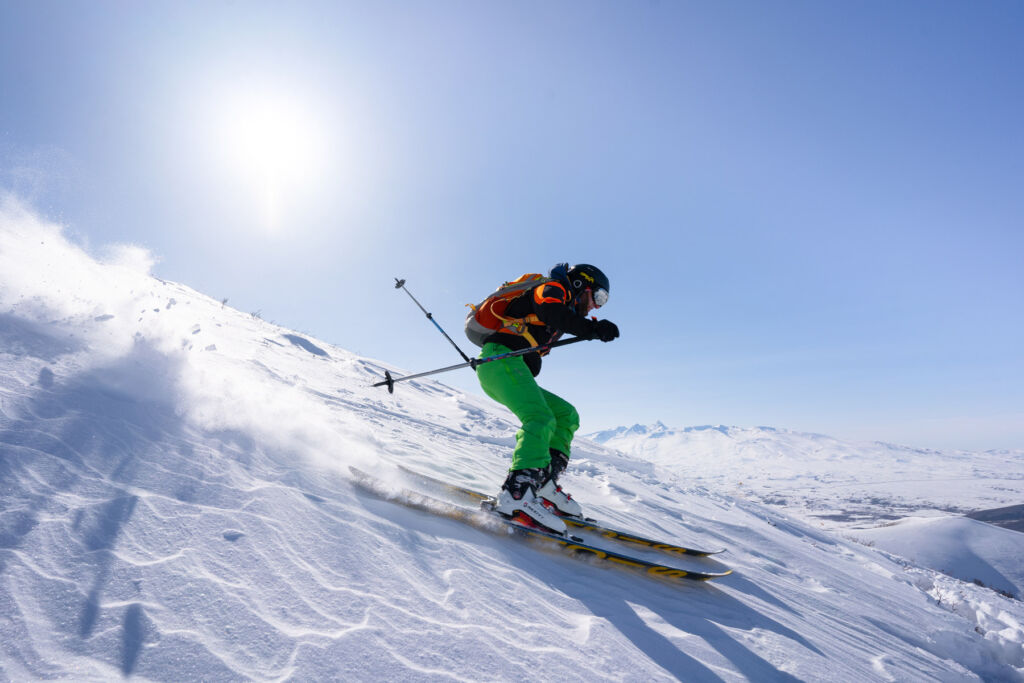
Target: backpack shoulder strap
(488, 316)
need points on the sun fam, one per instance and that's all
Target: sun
(271, 147)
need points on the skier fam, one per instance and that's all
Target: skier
(536, 316)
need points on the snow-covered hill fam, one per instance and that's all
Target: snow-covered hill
(833, 483)
(174, 506)
(958, 546)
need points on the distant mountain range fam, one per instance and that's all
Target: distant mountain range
(660, 429)
(833, 482)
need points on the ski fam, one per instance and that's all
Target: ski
(485, 518)
(579, 523)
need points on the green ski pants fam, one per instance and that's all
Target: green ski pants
(548, 421)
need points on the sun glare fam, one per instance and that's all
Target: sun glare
(272, 148)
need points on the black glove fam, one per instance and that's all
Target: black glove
(605, 330)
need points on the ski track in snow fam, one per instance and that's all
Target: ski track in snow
(173, 506)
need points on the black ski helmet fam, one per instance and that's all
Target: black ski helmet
(585, 276)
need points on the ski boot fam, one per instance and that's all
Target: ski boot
(551, 492)
(518, 500)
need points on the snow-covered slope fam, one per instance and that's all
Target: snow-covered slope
(858, 489)
(174, 506)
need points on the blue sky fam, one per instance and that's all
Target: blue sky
(811, 213)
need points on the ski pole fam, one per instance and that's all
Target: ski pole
(400, 284)
(390, 381)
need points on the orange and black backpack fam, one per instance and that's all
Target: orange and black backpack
(488, 317)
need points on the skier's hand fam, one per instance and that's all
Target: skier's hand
(605, 330)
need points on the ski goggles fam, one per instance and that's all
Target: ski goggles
(600, 296)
